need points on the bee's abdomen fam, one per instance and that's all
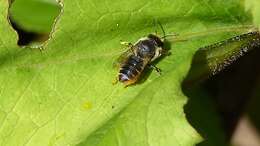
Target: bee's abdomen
(131, 69)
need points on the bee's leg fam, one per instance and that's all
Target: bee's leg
(128, 44)
(166, 53)
(158, 70)
(115, 81)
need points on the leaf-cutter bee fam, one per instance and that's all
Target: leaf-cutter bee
(139, 56)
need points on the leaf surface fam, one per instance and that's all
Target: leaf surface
(64, 95)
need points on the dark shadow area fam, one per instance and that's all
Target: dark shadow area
(215, 104)
(253, 106)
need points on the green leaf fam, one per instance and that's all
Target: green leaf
(253, 7)
(212, 59)
(64, 95)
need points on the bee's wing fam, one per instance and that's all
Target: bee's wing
(122, 58)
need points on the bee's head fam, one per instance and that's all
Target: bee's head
(157, 39)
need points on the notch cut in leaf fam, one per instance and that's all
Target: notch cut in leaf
(34, 20)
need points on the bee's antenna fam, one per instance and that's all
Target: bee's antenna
(154, 24)
(164, 35)
(169, 35)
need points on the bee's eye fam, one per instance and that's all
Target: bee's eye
(145, 48)
(147, 45)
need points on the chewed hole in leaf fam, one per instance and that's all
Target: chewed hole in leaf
(34, 20)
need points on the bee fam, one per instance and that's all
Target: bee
(140, 55)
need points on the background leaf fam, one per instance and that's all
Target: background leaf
(253, 7)
(64, 94)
